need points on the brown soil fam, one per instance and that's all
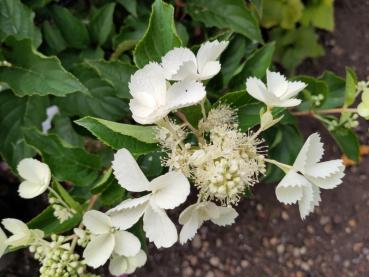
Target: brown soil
(270, 239)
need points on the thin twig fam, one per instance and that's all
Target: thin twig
(328, 111)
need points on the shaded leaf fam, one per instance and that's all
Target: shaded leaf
(102, 24)
(39, 75)
(160, 36)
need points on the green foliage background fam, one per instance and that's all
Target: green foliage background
(79, 55)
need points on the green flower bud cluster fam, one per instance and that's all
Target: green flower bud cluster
(317, 99)
(57, 259)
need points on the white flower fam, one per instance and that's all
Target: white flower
(307, 176)
(36, 177)
(166, 192)
(3, 245)
(154, 97)
(106, 239)
(181, 63)
(22, 235)
(195, 215)
(126, 265)
(277, 93)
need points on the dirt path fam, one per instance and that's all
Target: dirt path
(270, 239)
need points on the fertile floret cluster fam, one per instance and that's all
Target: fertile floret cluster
(224, 162)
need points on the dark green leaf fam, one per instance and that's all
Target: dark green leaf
(73, 30)
(67, 163)
(235, 99)
(116, 73)
(53, 37)
(160, 36)
(315, 87)
(50, 225)
(256, 65)
(230, 14)
(137, 139)
(113, 194)
(348, 142)
(39, 75)
(16, 20)
(102, 101)
(151, 164)
(336, 90)
(103, 182)
(62, 127)
(102, 24)
(130, 6)
(350, 89)
(68, 199)
(15, 114)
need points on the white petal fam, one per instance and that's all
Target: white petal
(210, 70)
(128, 173)
(99, 249)
(143, 105)
(154, 117)
(118, 265)
(209, 52)
(293, 89)
(15, 226)
(185, 93)
(276, 83)
(128, 212)
(97, 222)
(28, 189)
(310, 153)
(126, 244)
(173, 61)
(158, 227)
(324, 169)
(151, 80)
(227, 216)
(316, 196)
(186, 214)
(331, 181)
(256, 88)
(290, 188)
(170, 190)
(306, 203)
(3, 245)
(35, 172)
(188, 70)
(190, 227)
(288, 103)
(136, 261)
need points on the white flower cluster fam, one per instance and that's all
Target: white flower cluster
(61, 211)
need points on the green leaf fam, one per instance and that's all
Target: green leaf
(336, 90)
(73, 30)
(35, 4)
(116, 73)
(50, 225)
(285, 142)
(194, 113)
(293, 46)
(113, 194)
(319, 13)
(67, 163)
(137, 139)
(102, 101)
(15, 114)
(102, 24)
(350, 89)
(68, 199)
(16, 20)
(235, 99)
(62, 127)
(32, 73)
(314, 87)
(284, 13)
(160, 36)
(255, 66)
(130, 6)
(53, 37)
(103, 182)
(151, 164)
(229, 14)
(348, 142)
